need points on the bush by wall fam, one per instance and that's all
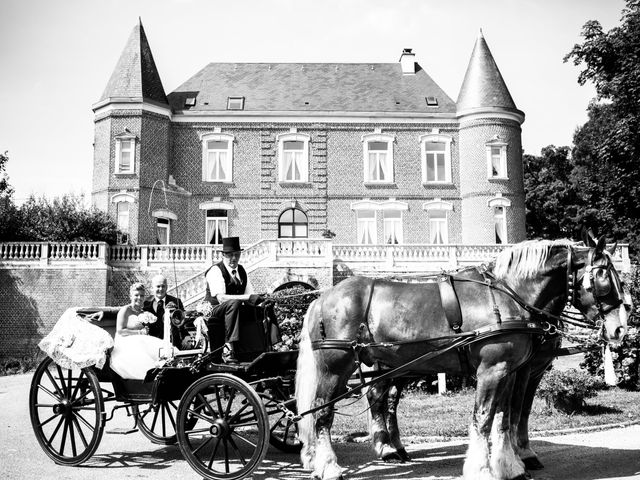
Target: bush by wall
(566, 390)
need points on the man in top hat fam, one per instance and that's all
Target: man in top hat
(227, 288)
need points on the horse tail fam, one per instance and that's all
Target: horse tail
(306, 383)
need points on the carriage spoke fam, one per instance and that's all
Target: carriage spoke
(64, 436)
(163, 407)
(238, 453)
(207, 405)
(226, 456)
(42, 424)
(83, 396)
(246, 424)
(232, 397)
(82, 419)
(155, 418)
(220, 411)
(238, 413)
(170, 415)
(72, 437)
(50, 393)
(197, 430)
(80, 432)
(55, 431)
(202, 445)
(200, 416)
(77, 387)
(69, 383)
(55, 385)
(246, 440)
(213, 453)
(61, 380)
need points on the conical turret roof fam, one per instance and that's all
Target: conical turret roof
(483, 85)
(136, 75)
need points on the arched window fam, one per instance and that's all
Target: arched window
(293, 223)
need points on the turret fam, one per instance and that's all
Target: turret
(131, 146)
(490, 146)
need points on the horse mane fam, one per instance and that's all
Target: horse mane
(525, 259)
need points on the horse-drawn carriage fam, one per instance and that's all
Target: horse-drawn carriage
(502, 320)
(223, 417)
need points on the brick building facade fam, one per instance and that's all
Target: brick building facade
(373, 153)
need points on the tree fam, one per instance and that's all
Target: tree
(551, 202)
(64, 219)
(607, 147)
(5, 189)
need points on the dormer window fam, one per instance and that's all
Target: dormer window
(235, 103)
(217, 157)
(293, 157)
(125, 153)
(496, 158)
(190, 102)
(378, 158)
(432, 101)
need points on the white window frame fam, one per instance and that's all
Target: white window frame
(120, 139)
(164, 226)
(120, 216)
(228, 162)
(370, 224)
(502, 174)
(393, 225)
(387, 138)
(302, 163)
(438, 205)
(436, 138)
(169, 217)
(213, 224)
(500, 202)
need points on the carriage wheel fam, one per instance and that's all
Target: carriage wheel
(230, 436)
(67, 412)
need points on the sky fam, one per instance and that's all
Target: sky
(56, 57)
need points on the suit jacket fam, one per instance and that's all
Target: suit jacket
(157, 329)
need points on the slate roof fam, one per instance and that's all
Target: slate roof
(483, 85)
(136, 74)
(312, 87)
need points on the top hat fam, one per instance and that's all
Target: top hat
(231, 244)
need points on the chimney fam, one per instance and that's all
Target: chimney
(407, 62)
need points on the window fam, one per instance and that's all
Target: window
(366, 227)
(499, 206)
(436, 158)
(235, 103)
(392, 220)
(438, 228)
(163, 230)
(217, 157)
(378, 157)
(293, 158)
(500, 224)
(432, 101)
(293, 223)
(496, 158)
(122, 213)
(216, 227)
(125, 153)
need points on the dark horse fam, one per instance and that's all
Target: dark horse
(384, 396)
(396, 323)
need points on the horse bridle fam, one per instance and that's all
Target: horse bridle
(592, 283)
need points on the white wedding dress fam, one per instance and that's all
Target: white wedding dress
(134, 355)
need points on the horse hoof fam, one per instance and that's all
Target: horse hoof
(532, 463)
(392, 457)
(404, 455)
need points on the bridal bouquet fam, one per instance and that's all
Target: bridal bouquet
(147, 318)
(205, 309)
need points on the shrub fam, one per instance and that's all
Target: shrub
(626, 356)
(566, 390)
(291, 305)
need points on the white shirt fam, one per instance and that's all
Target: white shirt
(215, 280)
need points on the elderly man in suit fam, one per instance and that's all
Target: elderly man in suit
(157, 305)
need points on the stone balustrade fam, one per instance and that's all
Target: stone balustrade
(266, 253)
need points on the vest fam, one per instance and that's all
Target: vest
(230, 288)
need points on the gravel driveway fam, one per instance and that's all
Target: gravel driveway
(610, 454)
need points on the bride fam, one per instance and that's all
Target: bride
(135, 351)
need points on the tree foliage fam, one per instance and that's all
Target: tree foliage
(63, 219)
(598, 184)
(607, 147)
(5, 188)
(551, 201)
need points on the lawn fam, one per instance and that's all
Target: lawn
(434, 415)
